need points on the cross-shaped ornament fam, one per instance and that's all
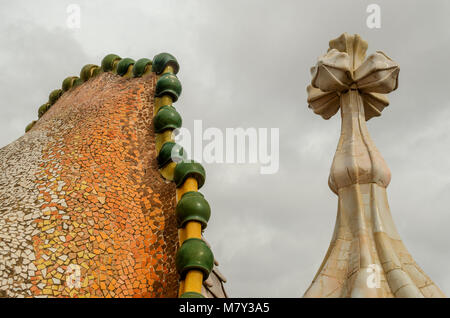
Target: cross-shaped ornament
(344, 79)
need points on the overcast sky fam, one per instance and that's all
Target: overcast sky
(246, 64)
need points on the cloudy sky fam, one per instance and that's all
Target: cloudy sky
(246, 64)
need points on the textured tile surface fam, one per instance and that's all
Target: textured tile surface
(81, 194)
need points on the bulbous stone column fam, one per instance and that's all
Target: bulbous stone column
(366, 257)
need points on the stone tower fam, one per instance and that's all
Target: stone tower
(366, 257)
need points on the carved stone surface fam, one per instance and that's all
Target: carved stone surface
(366, 257)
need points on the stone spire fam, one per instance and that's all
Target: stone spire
(366, 257)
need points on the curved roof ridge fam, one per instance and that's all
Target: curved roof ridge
(125, 67)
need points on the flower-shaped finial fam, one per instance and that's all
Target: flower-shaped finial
(344, 67)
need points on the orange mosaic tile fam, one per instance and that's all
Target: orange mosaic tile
(99, 217)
